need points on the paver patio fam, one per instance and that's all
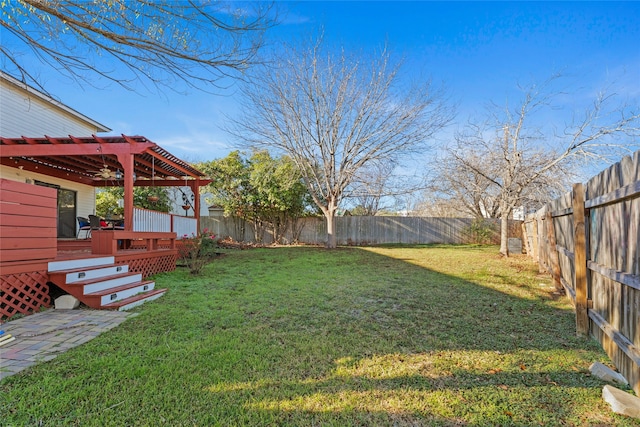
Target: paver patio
(42, 336)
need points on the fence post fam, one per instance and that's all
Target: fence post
(535, 244)
(525, 238)
(553, 251)
(580, 259)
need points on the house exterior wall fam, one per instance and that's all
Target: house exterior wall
(85, 194)
(24, 111)
(27, 112)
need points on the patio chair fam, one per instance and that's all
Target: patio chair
(83, 225)
(94, 221)
(118, 225)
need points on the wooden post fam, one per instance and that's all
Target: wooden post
(195, 188)
(534, 244)
(126, 160)
(103, 242)
(525, 239)
(553, 251)
(580, 259)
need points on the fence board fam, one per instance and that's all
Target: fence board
(579, 272)
(615, 196)
(633, 237)
(553, 255)
(534, 238)
(630, 280)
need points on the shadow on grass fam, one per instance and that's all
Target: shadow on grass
(499, 346)
(304, 336)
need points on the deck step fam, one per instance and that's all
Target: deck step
(72, 264)
(111, 295)
(101, 284)
(104, 284)
(84, 274)
(136, 300)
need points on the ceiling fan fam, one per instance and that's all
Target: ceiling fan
(104, 173)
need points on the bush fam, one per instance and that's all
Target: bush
(481, 231)
(198, 250)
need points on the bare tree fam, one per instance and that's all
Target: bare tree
(436, 206)
(521, 163)
(334, 115)
(370, 185)
(163, 42)
(463, 188)
(386, 188)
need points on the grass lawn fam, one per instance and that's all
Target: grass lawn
(384, 336)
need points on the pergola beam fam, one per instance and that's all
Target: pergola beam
(86, 149)
(46, 170)
(78, 158)
(169, 162)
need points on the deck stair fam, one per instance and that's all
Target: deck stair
(101, 284)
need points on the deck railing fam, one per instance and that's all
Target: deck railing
(148, 220)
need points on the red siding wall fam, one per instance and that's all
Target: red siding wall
(28, 222)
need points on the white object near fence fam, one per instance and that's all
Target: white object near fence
(184, 226)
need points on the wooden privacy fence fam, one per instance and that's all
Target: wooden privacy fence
(370, 230)
(588, 241)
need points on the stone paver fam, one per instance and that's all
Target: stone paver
(42, 336)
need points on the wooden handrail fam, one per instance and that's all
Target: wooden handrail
(108, 242)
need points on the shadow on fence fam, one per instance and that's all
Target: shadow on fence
(588, 241)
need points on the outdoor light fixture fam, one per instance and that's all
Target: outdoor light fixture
(186, 204)
(185, 199)
(118, 175)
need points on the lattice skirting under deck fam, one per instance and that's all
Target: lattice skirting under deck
(23, 293)
(151, 265)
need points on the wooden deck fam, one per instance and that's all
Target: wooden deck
(29, 213)
(24, 285)
(67, 247)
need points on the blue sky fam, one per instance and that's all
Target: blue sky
(478, 51)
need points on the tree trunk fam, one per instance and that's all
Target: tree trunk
(331, 232)
(505, 213)
(330, 215)
(258, 230)
(504, 235)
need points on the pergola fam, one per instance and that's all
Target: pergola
(126, 161)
